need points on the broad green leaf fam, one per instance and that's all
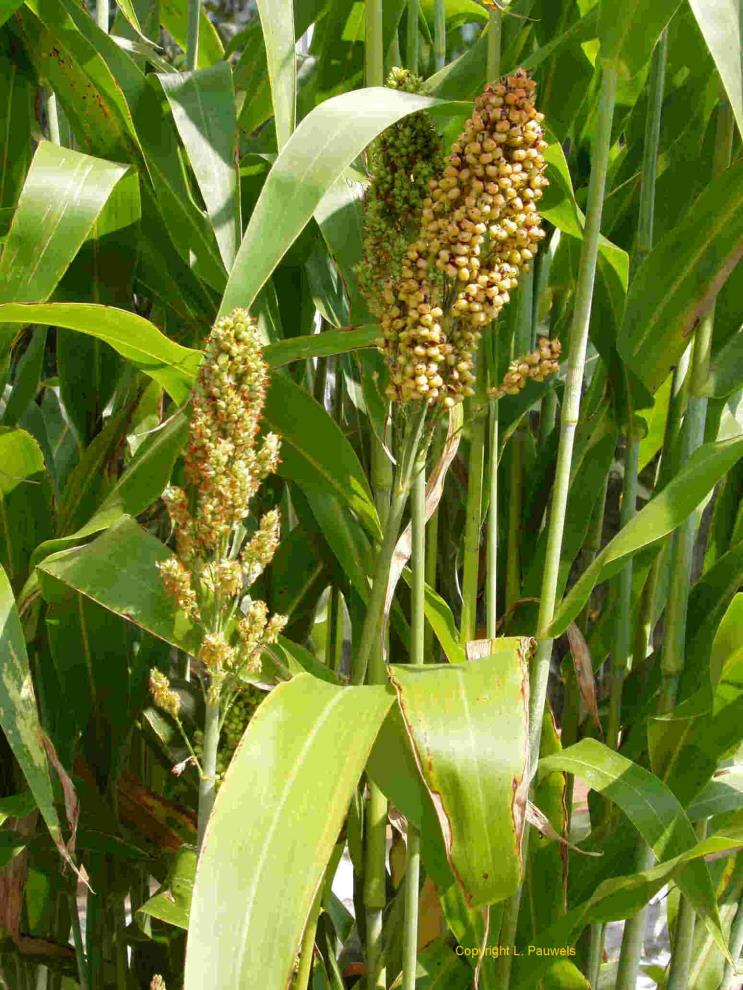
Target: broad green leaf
(25, 504)
(62, 197)
(203, 107)
(272, 829)
(134, 337)
(26, 377)
(652, 808)
(119, 571)
(660, 516)
(628, 36)
(277, 23)
(720, 23)
(314, 449)
(692, 263)
(478, 791)
(19, 717)
(726, 369)
(723, 793)
(7, 8)
(323, 145)
(16, 806)
(439, 967)
(320, 345)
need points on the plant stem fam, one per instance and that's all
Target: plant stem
(491, 576)
(578, 342)
(411, 46)
(473, 517)
(77, 938)
(192, 37)
(307, 948)
(417, 628)
(208, 780)
(439, 33)
(374, 45)
(101, 14)
(735, 944)
(494, 39)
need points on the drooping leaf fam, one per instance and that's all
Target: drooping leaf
(62, 197)
(653, 809)
(478, 793)
(203, 107)
(691, 263)
(134, 337)
(325, 143)
(660, 516)
(268, 830)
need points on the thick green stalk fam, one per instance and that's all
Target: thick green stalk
(473, 516)
(417, 629)
(52, 116)
(439, 33)
(208, 780)
(101, 14)
(622, 634)
(374, 45)
(578, 342)
(192, 36)
(491, 576)
(736, 944)
(411, 44)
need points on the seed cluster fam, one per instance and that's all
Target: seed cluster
(225, 462)
(401, 163)
(479, 230)
(537, 365)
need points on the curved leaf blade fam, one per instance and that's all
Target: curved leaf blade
(659, 517)
(325, 143)
(720, 23)
(691, 263)
(277, 23)
(270, 828)
(478, 791)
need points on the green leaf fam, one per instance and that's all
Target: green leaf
(16, 806)
(25, 507)
(726, 370)
(16, 120)
(8, 8)
(119, 571)
(62, 197)
(720, 23)
(659, 517)
(723, 793)
(172, 903)
(439, 967)
(203, 107)
(277, 23)
(320, 345)
(268, 829)
(323, 145)
(135, 338)
(652, 808)
(143, 481)
(692, 263)
(628, 40)
(314, 450)
(479, 792)
(19, 717)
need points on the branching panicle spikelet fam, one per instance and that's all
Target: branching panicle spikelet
(479, 229)
(401, 163)
(537, 365)
(225, 463)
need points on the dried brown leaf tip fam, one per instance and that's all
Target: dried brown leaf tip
(157, 983)
(480, 228)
